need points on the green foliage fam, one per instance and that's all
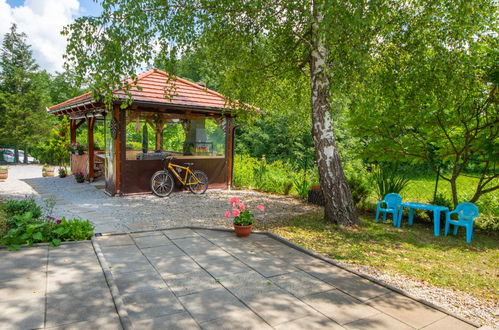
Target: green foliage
(359, 187)
(22, 223)
(54, 151)
(260, 172)
(19, 207)
(286, 188)
(442, 200)
(388, 179)
(302, 186)
(74, 230)
(23, 93)
(245, 218)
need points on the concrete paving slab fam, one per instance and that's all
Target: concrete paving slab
(339, 306)
(152, 241)
(139, 281)
(346, 281)
(301, 284)
(85, 305)
(163, 252)
(129, 265)
(174, 266)
(151, 304)
(108, 322)
(220, 266)
(246, 284)
(180, 233)
(316, 321)
(192, 282)
(146, 233)
(241, 320)
(277, 306)
(115, 240)
(209, 305)
(449, 323)
(21, 313)
(193, 245)
(406, 310)
(28, 286)
(379, 321)
(268, 266)
(177, 321)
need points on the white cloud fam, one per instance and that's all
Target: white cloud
(42, 21)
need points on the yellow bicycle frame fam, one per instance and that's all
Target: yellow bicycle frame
(172, 168)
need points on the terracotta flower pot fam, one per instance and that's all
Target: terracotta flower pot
(243, 231)
(4, 174)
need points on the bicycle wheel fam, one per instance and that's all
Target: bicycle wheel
(162, 183)
(198, 187)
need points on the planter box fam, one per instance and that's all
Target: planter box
(4, 174)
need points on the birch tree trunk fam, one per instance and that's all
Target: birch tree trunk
(339, 205)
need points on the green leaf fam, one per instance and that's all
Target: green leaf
(55, 242)
(38, 236)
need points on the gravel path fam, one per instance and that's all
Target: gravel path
(141, 212)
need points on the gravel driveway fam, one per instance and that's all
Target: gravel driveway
(140, 212)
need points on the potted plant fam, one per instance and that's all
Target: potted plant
(47, 170)
(243, 217)
(4, 173)
(62, 172)
(79, 177)
(76, 148)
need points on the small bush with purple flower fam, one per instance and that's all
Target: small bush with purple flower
(25, 222)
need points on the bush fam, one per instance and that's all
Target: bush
(20, 207)
(359, 187)
(441, 200)
(387, 179)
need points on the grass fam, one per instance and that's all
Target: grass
(410, 251)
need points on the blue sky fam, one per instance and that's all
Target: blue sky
(42, 21)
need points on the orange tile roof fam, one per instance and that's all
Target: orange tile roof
(153, 85)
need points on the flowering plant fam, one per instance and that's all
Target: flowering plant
(80, 177)
(241, 212)
(76, 147)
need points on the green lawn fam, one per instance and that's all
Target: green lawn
(411, 251)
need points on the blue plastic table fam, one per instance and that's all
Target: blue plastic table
(436, 214)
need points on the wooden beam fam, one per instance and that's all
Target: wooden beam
(91, 152)
(79, 123)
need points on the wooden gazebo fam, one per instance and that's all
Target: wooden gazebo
(173, 109)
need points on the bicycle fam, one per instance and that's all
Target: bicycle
(162, 182)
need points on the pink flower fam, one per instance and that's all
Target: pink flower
(241, 206)
(227, 214)
(58, 221)
(234, 200)
(235, 212)
(260, 207)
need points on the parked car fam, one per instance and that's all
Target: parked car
(9, 156)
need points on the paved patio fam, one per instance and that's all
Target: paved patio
(189, 279)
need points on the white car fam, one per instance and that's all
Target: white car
(8, 156)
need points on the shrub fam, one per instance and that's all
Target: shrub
(302, 185)
(62, 172)
(74, 230)
(20, 207)
(387, 179)
(441, 200)
(259, 173)
(359, 187)
(287, 187)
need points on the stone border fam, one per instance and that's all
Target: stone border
(115, 293)
(320, 257)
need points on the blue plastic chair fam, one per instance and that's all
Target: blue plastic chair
(466, 212)
(392, 202)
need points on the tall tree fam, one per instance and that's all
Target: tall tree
(431, 95)
(24, 96)
(259, 42)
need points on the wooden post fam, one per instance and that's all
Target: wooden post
(229, 153)
(72, 130)
(91, 153)
(117, 149)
